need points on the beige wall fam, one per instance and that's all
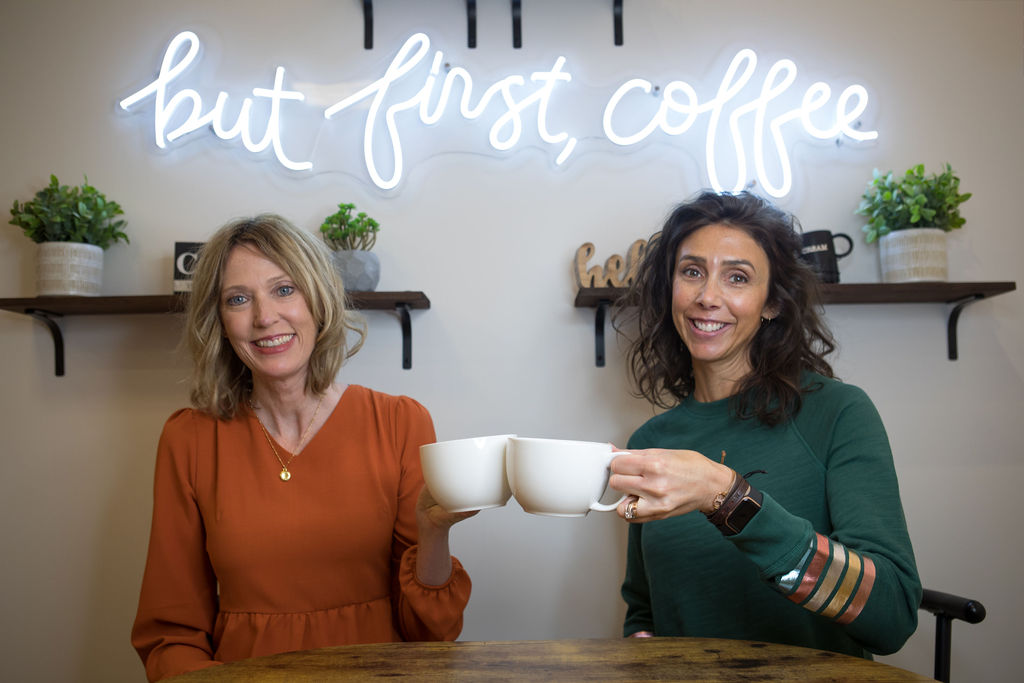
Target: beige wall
(490, 241)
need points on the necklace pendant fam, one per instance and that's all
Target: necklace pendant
(285, 474)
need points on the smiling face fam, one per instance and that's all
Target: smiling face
(719, 295)
(266, 318)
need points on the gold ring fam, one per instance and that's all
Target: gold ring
(631, 509)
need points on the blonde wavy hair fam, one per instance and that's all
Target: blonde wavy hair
(220, 382)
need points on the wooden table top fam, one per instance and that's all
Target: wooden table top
(561, 661)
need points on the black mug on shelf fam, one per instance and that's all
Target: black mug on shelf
(819, 252)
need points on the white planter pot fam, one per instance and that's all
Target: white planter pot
(915, 255)
(360, 270)
(69, 269)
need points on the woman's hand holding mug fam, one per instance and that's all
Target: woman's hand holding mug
(664, 483)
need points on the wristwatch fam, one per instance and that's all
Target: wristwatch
(738, 508)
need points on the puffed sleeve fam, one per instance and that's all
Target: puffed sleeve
(178, 600)
(422, 612)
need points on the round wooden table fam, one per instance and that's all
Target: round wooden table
(613, 659)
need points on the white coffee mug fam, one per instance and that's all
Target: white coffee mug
(559, 478)
(467, 474)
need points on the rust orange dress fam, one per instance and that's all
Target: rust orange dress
(242, 564)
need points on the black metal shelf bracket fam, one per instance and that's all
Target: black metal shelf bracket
(599, 316)
(954, 317)
(617, 20)
(403, 314)
(955, 294)
(471, 23)
(517, 24)
(48, 310)
(47, 318)
(368, 24)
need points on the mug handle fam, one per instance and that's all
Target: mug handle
(849, 243)
(608, 507)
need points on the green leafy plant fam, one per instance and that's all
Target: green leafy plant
(344, 231)
(912, 201)
(60, 213)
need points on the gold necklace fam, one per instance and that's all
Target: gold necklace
(285, 474)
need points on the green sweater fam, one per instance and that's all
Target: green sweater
(826, 563)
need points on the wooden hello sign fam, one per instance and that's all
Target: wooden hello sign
(617, 271)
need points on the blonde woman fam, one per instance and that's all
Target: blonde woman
(289, 509)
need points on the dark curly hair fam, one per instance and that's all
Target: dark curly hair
(795, 341)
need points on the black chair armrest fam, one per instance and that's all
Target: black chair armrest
(954, 606)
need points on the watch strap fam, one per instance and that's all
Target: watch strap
(740, 505)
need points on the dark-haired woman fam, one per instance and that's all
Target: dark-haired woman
(764, 502)
(289, 510)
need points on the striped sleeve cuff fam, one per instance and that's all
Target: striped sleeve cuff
(830, 580)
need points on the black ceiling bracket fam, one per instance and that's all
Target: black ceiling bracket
(517, 24)
(47, 318)
(471, 23)
(368, 24)
(617, 19)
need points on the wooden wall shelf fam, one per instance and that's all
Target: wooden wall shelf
(46, 308)
(957, 293)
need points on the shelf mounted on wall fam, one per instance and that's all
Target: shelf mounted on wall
(957, 294)
(48, 309)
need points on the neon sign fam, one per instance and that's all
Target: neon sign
(165, 109)
(505, 133)
(680, 98)
(755, 127)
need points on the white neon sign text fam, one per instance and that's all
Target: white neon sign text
(680, 99)
(505, 133)
(749, 122)
(165, 109)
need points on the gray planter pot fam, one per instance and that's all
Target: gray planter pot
(68, 269)
(359, 270)
(915, 255)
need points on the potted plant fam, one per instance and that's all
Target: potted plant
(73, 226)
(351, 237)
(909, 216)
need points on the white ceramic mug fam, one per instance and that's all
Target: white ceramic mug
(559, 478)
(467, 474)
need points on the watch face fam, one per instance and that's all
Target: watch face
(743, 513)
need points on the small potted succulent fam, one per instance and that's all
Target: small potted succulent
(351, 236)
(73, 225)
(909, 216)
